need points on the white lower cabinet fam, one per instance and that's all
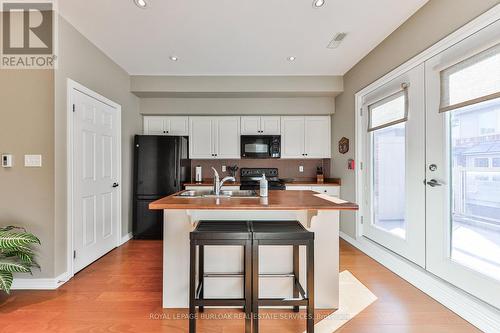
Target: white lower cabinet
(214, 138)
(333, 191)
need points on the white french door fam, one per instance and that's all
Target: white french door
(96, 177)
(463, 164)
(394, 141)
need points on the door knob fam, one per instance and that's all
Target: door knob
(116, 184)
(434, 183)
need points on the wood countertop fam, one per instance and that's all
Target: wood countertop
(277, 200)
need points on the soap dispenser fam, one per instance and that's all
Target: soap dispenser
(263, 186)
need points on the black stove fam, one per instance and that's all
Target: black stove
(250, 178)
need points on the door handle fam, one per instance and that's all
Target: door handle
(434, 183)
(116, 184)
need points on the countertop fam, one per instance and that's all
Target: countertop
(277, 200)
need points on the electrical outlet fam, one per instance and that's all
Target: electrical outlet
(224, 169)
(7, 161)
(301, 168)
(33, 161)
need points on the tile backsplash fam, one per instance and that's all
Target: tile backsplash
(287, 168)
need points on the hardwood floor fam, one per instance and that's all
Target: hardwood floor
(122, 293)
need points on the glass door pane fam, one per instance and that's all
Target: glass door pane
(389, 179)
(475, 187)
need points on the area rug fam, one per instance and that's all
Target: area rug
(354, 298)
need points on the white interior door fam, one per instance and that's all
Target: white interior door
(394, 159)
(463, 164)
(96, 196)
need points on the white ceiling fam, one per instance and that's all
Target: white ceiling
(236, 37)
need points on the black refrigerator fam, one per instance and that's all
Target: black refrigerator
(161, 167)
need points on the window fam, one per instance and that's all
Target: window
(481, 163)
(389, 111)
(387, 123)
(470, 91)
(471, 81)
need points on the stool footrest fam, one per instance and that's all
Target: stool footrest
(282, 302)
(220, 302)
(266, 275)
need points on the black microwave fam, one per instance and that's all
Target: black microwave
(260, 146)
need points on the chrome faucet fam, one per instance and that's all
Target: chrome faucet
(219, 183)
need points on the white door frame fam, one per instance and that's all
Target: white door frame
(467, 30)
(75, 86)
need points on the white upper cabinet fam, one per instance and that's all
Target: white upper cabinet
(292, 137)
(228, 138)
(270, 125)
(214, 137)
(177, 126)
(250, 125)
(172, 125)
(318, 137)
(260, 125)
(154, 126)
(201, 138)
(305, 137)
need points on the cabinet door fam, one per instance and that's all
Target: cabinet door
(318, 137)
(178, 126)
(270, 125)
(333, 191)
(228, 138)
(201, 138)
(154, 126)
(292, 137)
(250, 125)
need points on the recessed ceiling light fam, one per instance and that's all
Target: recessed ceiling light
(174, 58)
(141, 3)
(290, 58)
(318, 3)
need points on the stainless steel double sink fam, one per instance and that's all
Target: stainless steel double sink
(223, 194)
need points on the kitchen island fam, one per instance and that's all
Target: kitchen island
(319, 213)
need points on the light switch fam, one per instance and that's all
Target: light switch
(224, 169)
(301, 168)
(33, 161)
(7, 160)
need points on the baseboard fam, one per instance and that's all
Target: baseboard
(40, 284)
(126, 238)
(478, 313)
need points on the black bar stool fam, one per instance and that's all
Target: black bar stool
(219, 233)
(284, 233)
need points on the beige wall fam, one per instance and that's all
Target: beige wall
(434, 21)
(298, 105)
(81, 61)
(27, 127)
(240, 86)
